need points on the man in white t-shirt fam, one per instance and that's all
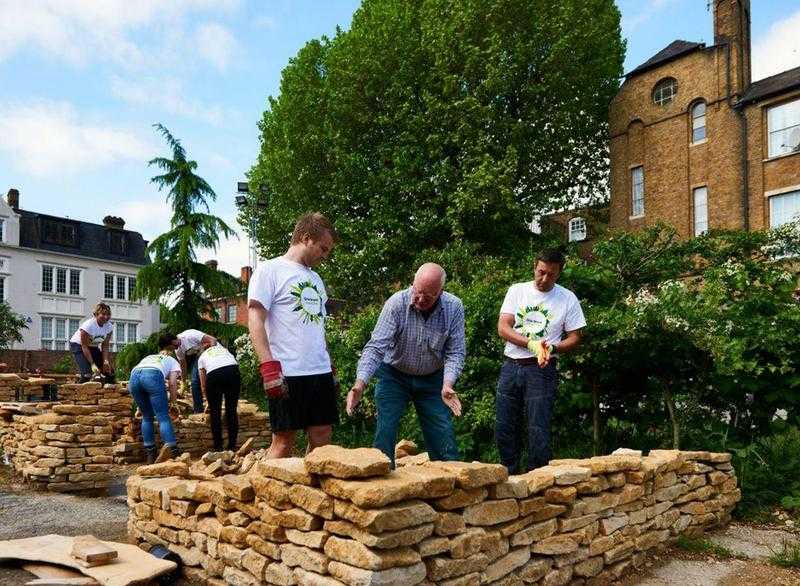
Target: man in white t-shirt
(188, 347)
(90, 345)
(538, 320)
(286, 319)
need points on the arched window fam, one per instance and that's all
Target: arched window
(577, 229)
(664, 91)
(699, 122)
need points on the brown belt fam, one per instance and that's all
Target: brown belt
(523, 361)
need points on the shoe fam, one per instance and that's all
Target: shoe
(175, 451)
(150, 454)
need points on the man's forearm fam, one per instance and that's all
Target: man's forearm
(258, 336)
(510, 335)
(568, 344)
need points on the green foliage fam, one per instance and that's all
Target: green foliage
(131, 354)
(252, 388)
(768, 470)
(11, 326)
(174, 273)
(433, 120)
(788, 556)
(64, 365)
(703, 545)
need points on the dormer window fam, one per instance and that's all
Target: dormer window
(577, 229)
(118, 242)
(61, 233)
(664, 91)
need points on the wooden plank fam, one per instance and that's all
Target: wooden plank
(132, 566)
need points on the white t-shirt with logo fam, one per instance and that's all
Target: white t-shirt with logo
(539, 315)
(166, 364)
(96, 333)
(215, 357)
(294, 297)
(191, 342)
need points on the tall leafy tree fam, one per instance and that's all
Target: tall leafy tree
(11, 326)
(434, 120)
(174, 274)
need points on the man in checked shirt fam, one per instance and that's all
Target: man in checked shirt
(416, 351)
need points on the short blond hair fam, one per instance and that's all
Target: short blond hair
(313, 225)
(101, 307)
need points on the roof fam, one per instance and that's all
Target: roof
(672, 51)
(769, 86)
(92, 240)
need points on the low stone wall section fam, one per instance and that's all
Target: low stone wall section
(342, 517)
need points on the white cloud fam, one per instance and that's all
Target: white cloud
(644, 11)
(78, 31)
(216, 45)
(779, 49)
(46, 138)
(232, 253)
(149, 216)
(170, 96)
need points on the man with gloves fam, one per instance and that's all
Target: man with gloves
(286, 318)
(538, 320)
(188, 347)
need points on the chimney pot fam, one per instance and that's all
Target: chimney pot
(245, 274)
(212, 264)
(114, 222)
(13, 198)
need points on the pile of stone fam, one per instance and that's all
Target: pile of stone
(15, 388)
(342, 517)
(194, 433)
(67, 449)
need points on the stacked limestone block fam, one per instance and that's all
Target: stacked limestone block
(15, 388)
(68, 449)
(194, 433)
(341, 517)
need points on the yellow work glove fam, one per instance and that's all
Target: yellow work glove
(95, 370)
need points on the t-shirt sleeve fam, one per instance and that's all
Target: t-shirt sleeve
(173, 365)
(87, 327)
(262, 286)
(510, 302)
(574, 319)
(201, 362)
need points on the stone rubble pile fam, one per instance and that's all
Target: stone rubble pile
(194, 433)
(68, 449)
(341, 516)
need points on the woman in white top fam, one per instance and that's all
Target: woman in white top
(219, 378)
(147, 388)
(192, 343)
(94, 332)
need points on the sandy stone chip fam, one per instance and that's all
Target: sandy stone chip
(473, 474)
(357, 554)
(390, 518)
(399, 485)
(339, 462)
(384, 540)
(291, 470)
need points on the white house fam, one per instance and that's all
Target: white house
(54, 270)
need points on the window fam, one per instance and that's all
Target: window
(783, 124)
(118, 242)
(123, 333)
(784, 208)
(2, 230)
(699, 122)
(2, 289)
(231, 314)
(577, 229)
(637, 192)
(664, 91)
(61, 233)
(56, 332)
(60, 280)
(119, 287)
(700, 210)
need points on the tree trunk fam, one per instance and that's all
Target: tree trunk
(595, 418)
(676, 428)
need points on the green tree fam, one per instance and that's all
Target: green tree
(175, 275)
(11, 326)
(430, 121)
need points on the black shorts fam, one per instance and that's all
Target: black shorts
(313, 400)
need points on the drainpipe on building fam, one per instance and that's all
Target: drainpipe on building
(743, 130)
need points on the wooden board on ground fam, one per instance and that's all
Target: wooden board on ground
(132, 566)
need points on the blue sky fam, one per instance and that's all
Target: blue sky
(83, 81)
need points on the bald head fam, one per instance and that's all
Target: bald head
(428, 284)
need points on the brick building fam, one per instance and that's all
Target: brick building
(233, 310)
(696, 144)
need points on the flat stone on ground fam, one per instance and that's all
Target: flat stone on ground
(291, 470)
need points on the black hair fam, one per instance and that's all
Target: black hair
(165, 340)
(551, 256)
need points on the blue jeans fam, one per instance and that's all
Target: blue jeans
(194, 378)
(394, 391)
(147, 388)
(525, 390)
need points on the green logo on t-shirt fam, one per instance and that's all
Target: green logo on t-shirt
(532, 321)
(308, 302)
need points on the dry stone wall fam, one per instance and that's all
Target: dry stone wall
(342, 517)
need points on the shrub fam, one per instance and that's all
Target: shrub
(64, 365)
